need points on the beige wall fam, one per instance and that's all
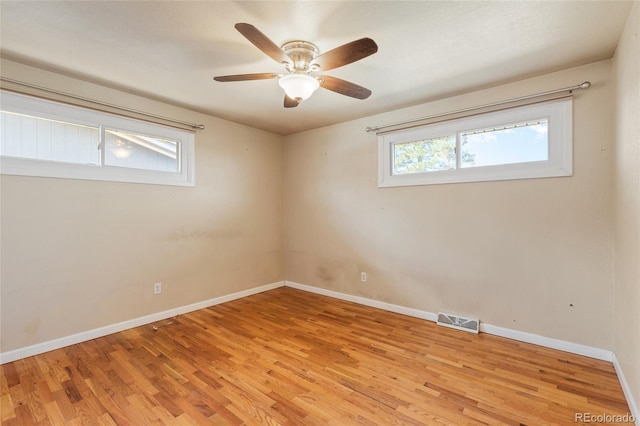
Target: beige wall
(627, 203)
(77, 255)
(532, 255)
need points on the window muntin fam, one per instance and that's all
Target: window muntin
(155, 154)
(532, 141)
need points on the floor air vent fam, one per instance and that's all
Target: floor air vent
(471, 325)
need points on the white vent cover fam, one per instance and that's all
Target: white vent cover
(472, 325)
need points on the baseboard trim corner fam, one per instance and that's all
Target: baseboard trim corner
(62, 342)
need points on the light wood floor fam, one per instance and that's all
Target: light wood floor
(296, 358)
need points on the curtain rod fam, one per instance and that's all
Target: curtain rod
(81, 98)
(582, 86)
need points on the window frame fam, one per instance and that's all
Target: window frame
(52, 110)
(559, 114)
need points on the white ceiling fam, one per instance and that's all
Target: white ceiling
(171, 50)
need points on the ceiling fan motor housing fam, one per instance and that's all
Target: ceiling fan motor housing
(301, 54)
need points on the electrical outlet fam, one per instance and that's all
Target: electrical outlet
(363, 277)
(157, 288)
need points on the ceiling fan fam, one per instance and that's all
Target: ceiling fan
(301, 59)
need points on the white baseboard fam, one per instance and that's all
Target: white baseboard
(364, 301)
(520, 336)
(39, 348)
(548, 342)
(633, 407)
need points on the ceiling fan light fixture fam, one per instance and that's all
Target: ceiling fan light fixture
(298, 86)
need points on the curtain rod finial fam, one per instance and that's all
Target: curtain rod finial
(585, 85)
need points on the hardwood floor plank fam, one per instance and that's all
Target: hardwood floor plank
(288, 357)
(7, 410)
(54, 414)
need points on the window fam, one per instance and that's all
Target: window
(49, 139)
(532, 141)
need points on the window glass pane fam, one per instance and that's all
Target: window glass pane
(515, 143)
(24, 136)
(427, 155)
(124, 149)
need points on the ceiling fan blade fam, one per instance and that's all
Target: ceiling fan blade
(344, 87)
(244, 77)
(346, 54)
(290, 102)
(263, 43)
